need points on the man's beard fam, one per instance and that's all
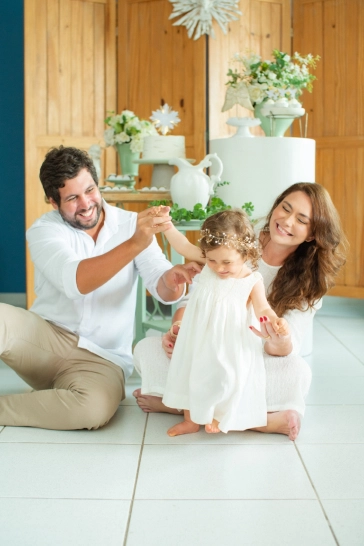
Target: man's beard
(78, 224)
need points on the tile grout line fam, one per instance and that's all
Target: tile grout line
(339, 341)
(317, 495)
(135, 484)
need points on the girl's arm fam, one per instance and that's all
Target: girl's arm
(181, 244)
(276, 344)
(265, 313)
(260, 303)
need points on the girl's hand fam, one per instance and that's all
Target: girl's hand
(281, 327)
(276, 344)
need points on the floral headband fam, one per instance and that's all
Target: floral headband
(227, 239)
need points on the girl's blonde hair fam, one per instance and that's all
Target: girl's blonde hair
(231, 228)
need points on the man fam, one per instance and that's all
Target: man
(74, 345)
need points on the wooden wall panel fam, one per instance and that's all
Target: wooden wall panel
(70, 83)
(333, 29)
(263, 26)
(158, 63)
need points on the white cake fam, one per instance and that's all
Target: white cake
(164, 147)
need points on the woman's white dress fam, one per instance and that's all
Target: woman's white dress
(288, 378)
(217, 368)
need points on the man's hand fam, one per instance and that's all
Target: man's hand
(151, 221)
(169, 285)
(179, 274)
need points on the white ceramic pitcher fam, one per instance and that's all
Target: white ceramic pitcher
(190, 185)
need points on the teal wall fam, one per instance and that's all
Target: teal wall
(12, 210)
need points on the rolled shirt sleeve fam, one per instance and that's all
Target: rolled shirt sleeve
(151, 264)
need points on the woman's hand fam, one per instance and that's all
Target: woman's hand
(276, 344)
(169, 339)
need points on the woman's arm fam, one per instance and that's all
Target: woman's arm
(169, 339)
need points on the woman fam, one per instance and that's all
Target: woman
(303, 244)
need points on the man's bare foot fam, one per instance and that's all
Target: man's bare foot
(283, 422)
(213, 428)
(153, 404)
(186, 427)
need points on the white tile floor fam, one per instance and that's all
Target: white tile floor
(129, 483)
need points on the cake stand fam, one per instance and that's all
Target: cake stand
(243, 125)
(274, 114)
(162, 171)
(120, 180)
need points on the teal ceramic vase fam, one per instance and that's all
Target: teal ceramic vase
(277, 126)
(126, 156)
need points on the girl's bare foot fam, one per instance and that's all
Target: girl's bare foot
(153, 404)
(186, 427)
(213, 428)
(283, 422)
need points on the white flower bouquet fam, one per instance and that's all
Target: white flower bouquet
(257, 80)
(127, 127)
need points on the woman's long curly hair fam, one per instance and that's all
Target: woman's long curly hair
(232, 222)
(309, 272)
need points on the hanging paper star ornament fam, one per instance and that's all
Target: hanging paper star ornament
(238, 94)
(197, 15)
(165, 119)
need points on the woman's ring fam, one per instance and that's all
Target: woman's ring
(267, 337)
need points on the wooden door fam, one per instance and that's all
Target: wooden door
(70, 83)
(157, 64)
(263, 26)
(334, 30)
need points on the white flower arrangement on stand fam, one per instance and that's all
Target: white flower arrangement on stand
(285, 76)
(128, 128)
(126, 134)
(275, 84)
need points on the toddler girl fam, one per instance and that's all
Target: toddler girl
(217, 373)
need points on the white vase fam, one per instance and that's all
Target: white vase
(190, 185)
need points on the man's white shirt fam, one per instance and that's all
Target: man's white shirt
(103, 319)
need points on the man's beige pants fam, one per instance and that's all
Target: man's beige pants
(73, 388)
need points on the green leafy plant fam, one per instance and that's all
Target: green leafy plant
(199, 213)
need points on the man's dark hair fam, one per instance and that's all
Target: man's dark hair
(61, 164)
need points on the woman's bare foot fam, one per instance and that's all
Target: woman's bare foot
(186, 427)
(213, 428)
(283, 422)
(153, 404)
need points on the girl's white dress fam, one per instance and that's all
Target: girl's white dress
(217, 368)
